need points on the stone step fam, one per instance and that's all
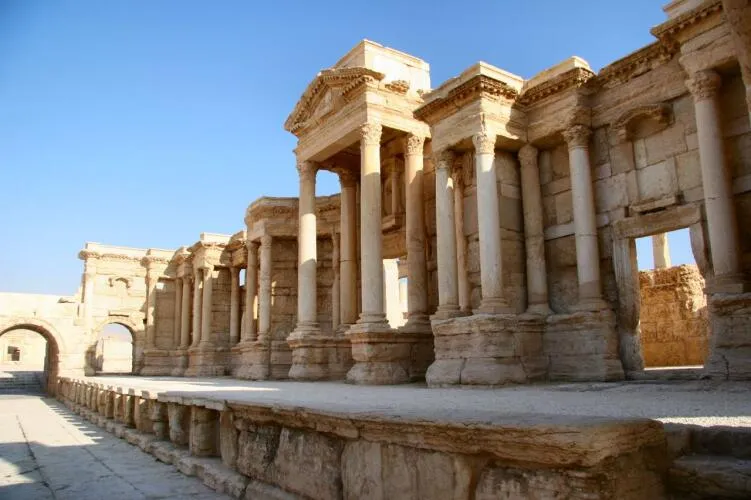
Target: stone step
(695, 477)
(731, 442)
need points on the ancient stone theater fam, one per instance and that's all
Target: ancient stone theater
(484, 236)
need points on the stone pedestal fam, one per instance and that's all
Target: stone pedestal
(180, 361)
(320, 358)
(730, 348)
(157, 362)
(487, 350)
(263, 360)
(207, 361)
(383, 357)
(583, 346)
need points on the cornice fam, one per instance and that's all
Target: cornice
(480, 86)
(636, 63)
(573, 78)
(669, 29)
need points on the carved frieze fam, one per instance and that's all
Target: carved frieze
(370, 134)
(480, 86)
(659, 113)
(577, 136)
(571, 79)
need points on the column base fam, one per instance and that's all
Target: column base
(207, 361)
(262, 359)
(590, 304)
(157, 362)
(538, 310)
(448, 311)
(494, 306)
(181, 363)
(383, 356)
(320, 357)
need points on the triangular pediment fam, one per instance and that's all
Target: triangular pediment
(327, 93)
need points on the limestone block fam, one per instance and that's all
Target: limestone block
(688, 170)
(204, 432)
(599, 151)
(656, 181)
(564, 208)
(228, 438)
(159, 420)
(179, 423)
(610, 193)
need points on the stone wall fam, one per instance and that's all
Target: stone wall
(674, 320)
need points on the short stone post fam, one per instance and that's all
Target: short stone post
(204, 432)
(179, 423)
(159, 420)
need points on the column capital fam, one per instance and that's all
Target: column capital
(266, 240)
(528, 156)
(484, 142)
(307, 169)
(577, 136)
(370, 134)
(413, 145)
(444, 159)
(704, 84)
(347, 178)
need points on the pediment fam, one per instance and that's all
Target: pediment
(327, 93)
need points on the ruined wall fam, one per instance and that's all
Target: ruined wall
(283, 304)
(164, 314)
(674, 324)
(220, 307)
(31, 349)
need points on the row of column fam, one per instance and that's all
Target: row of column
(258, 289)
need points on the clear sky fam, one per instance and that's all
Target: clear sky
(143, 123)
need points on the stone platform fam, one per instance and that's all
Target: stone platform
(332, 440)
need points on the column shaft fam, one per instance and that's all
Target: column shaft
(207, 305)
(417, 281)
(234, 306)
(348, 249)
(197, 300)
(178, 311)
(307, 314)
(489, 225)
(371, 251)
(335, 286)
(185, 314)
(461, 241)
(251, 288)
(534, 237)
(151, 281)
(660, 251)
(264, 293)
(448, 299)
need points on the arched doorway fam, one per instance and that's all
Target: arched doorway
(30, 357)
(114, 349)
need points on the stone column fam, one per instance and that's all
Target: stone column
(660, 251)
(718, 193)
(348, 248)
(251, 288)
(197, 300)
(585, 223)
(534, 237)
(264, 292)
(206, 305)
(335, 285)
(307, 312)
(185, 314)
(395, 188)
(461, 241)
(371, 251)
(417, 282)
(89, 280)
(178, 312)
(489, 225)
(448, 296)
(234, 306)
(151, 281)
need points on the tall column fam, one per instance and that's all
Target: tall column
(348, 248)
(417, 270)
(178, 312)
(264, 291)
(197, 300)
(718, 194)
(489, 225)
(89, 280)
(448, 296)
(660, 251)
(207, 304)
(585, 223)
(234, 306)
(461, 241)
(396, 191)
(335, 286)
(185, 314)
(371, 251)
(307, 313)
(251, 288)
(534, 236)
(151, 281)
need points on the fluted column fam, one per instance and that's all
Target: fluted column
(234, 306)
(206, 305)
(371, 251)
(417, 270)
(197, 299)
(534, 237)
(489, 225)
(448, 296)
(151, 281)
(718, 195)
(585, 223)
(178, 311)
(307, 313)
(264, 292)
(185, 313)
(251, 288)
(461, 242)
(348, 248)
(660, 251)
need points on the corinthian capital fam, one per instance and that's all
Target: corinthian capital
(703, 84)
(370, 134)
(528, 155)
(577, 136)
(347, 178)
(484, 142)
(266, 240)
(444, 159)
(414, 145)
(307, 169)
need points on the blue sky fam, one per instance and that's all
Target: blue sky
(143, 123)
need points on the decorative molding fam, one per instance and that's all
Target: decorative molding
(660, 113)
(398, 86)
(704, 84)
(370, 134)
(571, 79)
(347, 178)
(89, 254)
(484, 143)
(444, 159)
(127, 280)
(669, 29)
(478, 87)
(636, 63)
(307, 170)
(577, 136)
(266, 240)
(528, 156)
(414, 145)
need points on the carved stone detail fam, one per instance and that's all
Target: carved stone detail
(370, 134)
(444, 159)
(528, 156)
(307, 170)
(577, 136)
(484, 142)
(414, 145)
(704, 84)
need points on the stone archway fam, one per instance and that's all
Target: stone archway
(132, 329)
(55, 345)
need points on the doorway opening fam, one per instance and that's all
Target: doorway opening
(114, 349)
(28, 360)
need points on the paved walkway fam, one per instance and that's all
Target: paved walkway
(46, 452)
(700, 402)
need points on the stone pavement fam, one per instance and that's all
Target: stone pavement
(48, 452)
